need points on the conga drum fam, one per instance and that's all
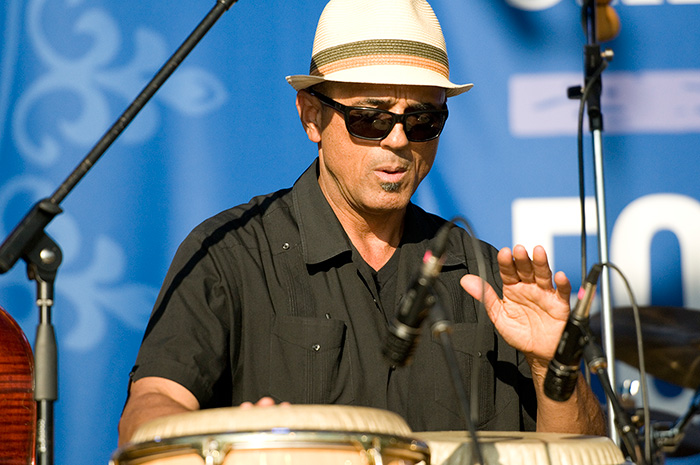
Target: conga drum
(520, 448)
(275, 435)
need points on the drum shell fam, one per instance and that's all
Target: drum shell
(521, 448)
(276, 448)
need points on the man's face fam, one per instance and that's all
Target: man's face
(374, 177)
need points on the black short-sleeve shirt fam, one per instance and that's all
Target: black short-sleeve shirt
(270, 298)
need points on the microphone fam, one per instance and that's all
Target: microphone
(608, 22)
(404, 329)
(562, 373)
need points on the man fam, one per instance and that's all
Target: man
(288, 298)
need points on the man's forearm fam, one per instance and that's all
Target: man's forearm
(144, 408)
(581, 414)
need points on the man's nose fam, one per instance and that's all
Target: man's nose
(396, 138)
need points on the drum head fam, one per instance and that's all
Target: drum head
(298, 434)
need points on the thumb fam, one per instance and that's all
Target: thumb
(480, 290)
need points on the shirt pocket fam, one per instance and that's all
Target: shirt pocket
(469, 359)
(305, 359)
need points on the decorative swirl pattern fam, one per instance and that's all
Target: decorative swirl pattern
(42, 131)
(89, 80)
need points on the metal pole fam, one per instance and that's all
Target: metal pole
(605, 294)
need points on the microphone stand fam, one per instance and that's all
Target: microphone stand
(43, 256)
(442, 328)
(597, 363)
(594, 61)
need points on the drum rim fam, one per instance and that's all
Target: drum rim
(276, 438)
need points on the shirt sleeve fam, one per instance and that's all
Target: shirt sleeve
(187, 337)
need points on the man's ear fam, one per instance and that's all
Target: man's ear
(309, 109)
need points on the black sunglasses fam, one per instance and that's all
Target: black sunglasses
(375, 124)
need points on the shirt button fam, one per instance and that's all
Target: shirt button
(285, 246)
(316, 347)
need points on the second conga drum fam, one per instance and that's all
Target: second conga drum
(276, 435)
(521, 448)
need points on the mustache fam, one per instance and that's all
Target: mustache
(392, 164)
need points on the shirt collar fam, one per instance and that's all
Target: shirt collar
(322, 236)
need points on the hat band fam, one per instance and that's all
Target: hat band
(379, 52)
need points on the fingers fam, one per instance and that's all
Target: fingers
(563, 285)
(517, 267)
(263, 402)
(480, 290)
(543, 273)
(506, 265)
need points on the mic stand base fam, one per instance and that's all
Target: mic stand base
(669, 440)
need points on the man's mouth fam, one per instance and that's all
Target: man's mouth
(391, 174)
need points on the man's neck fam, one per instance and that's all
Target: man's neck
(375, 237)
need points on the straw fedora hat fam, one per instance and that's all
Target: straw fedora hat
(379, 42)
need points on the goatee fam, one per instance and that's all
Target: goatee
(391, 186)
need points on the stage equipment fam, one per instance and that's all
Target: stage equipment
(679, 438)
(419, 304)
(404, 329)
(595, 62)
(43, 256)
(671, 345)
(522, 448)
(671, 338)
(563, 370)
(608, 21)
(276, 435)
(578, 339)
(597, 363)
(305, 434)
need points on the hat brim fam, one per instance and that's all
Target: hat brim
(384, 74)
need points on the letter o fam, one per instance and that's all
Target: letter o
(631, 243)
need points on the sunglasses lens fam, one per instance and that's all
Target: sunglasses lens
(369, 124)
(424, 126)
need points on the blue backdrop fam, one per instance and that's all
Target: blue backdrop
(224, 128)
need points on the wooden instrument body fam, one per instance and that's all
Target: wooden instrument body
(17, 405)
